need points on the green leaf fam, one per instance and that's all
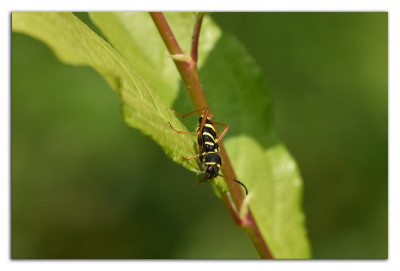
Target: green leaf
(75, 43)
(237, 95)
(235, 90)
(132, 36)
(240, 98)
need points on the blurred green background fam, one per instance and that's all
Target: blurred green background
(85, 185)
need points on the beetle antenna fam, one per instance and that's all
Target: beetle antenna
(197, 183)
(239, 182)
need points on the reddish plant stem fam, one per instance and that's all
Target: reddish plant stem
(249, 225)
(187, 69)
(190, 77)
(196, 34)
(168, 37)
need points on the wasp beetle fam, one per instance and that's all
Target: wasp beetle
(207, 139)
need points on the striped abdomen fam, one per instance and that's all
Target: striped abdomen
(208, 141)
(209, 149)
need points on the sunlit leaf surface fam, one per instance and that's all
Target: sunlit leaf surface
(141, 72)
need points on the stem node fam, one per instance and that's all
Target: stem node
(182, 58)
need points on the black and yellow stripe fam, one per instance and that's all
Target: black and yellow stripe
(208, 147)
(212, 159)
(208, 136)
